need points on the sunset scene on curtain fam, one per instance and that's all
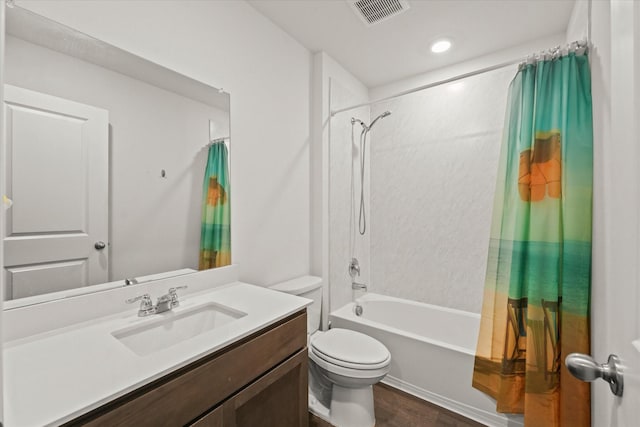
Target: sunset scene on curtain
(536, 297)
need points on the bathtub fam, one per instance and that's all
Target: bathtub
(432, 351)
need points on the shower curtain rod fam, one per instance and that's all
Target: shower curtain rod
(434, 84)
(576, 44)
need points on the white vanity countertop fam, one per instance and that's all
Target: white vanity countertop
(55, 377)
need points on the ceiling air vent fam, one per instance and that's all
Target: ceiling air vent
(375, 11)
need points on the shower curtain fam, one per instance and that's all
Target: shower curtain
(215, 237)
(536, 298)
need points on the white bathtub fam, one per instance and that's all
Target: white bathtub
(432, 351)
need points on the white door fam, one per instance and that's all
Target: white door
(616, 264)
(57, 176)
(623, 306)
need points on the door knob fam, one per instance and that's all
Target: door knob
(585, 368)
(100, 245)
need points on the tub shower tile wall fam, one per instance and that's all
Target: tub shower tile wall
(433, 173)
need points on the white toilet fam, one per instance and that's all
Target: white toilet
(344, 364)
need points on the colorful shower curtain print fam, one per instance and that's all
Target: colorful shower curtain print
(536, 297)
(215, 238)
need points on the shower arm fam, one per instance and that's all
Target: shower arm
(354, 121)
(366, 128)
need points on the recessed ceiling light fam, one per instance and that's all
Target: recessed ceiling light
(440, 46)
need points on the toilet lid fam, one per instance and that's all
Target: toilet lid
(351, 347)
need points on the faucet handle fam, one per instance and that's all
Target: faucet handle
(173, 293)
(354, 268)
(176, 288)
(144, 298)
(146, 306)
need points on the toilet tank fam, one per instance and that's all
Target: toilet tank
(306, 287)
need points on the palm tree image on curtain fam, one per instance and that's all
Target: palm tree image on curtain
(215, 237)
(537, 287)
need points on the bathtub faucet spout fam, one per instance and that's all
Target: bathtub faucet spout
(356, 285)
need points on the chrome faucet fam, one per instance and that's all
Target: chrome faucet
(165, 302)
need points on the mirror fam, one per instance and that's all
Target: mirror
(105, 161)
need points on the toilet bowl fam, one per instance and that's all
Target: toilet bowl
(352, 362)
(343, 364)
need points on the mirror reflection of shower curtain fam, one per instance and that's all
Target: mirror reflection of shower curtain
(215, 238)
(537, 286)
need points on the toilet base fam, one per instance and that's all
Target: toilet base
(352, 407)
(317, 408)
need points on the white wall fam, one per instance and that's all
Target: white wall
(230, 45)
(578, 26)
(154, 222)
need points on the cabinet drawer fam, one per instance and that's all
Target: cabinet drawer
(184, 395)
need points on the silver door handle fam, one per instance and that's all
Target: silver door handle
(100, 245)
(585, 368)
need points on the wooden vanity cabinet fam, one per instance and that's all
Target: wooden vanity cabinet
(271, 401)
(258, 381)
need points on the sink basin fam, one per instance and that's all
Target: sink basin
(170, 328)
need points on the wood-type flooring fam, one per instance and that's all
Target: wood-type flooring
(395, 408)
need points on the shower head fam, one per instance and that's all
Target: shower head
(381, 116)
